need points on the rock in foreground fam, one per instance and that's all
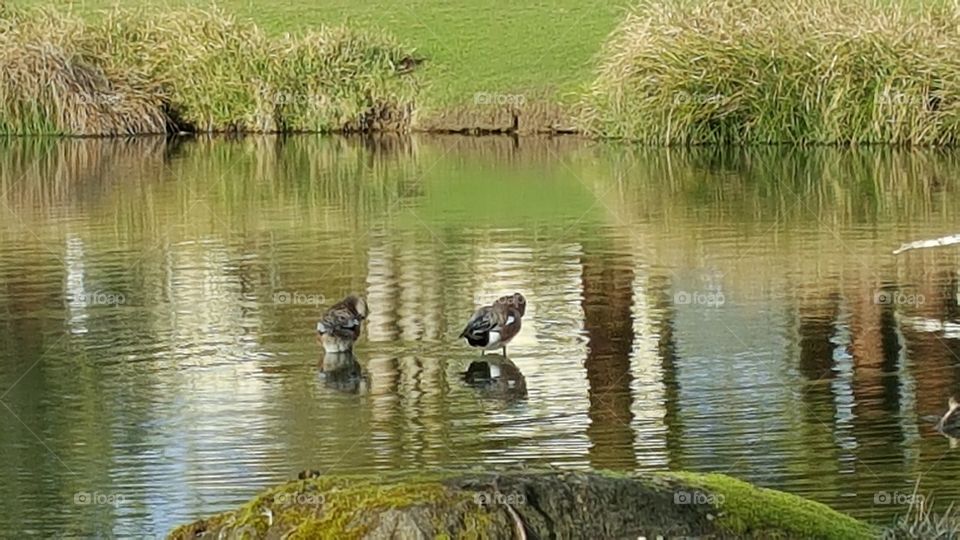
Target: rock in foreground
(525, 504)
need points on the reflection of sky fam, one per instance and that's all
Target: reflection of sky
(842, 385)
(649, 407)
(214, 422)
(76, 292)
(734, 390)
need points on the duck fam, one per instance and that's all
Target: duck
(949, 425)
(492, 327)
(339, 327)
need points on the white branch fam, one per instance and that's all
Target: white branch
(936, 242)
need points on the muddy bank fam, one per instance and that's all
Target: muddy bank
(495, 114)
(525, 504)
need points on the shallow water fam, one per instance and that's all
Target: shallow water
(710, 310)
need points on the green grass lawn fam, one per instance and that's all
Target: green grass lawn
(536, 48)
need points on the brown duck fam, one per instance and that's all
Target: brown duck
(340, 326)
(492, 327)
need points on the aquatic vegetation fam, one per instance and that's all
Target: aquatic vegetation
(133, 71)
(755, 72)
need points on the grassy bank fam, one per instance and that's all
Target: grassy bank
(674, 72)
(149, 71)
(761, 71)
(481, 47)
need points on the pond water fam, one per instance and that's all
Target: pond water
(708, 309)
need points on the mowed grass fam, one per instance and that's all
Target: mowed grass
(536, 48)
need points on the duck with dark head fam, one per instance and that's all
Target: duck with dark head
(339, 328)
(493, 327)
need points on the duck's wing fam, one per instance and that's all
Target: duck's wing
(482, 322)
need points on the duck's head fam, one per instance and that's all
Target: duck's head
(515, 301)
(357, 304)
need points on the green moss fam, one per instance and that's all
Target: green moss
(355, 506)
(325, 507)
(750, 510)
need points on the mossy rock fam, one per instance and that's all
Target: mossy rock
(524, 503)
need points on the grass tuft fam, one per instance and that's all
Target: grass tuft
(920, 522)
(683, 72)
(132, 71)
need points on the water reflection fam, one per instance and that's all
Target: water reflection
(341, 371)
(495, 375)
(714, 310)
(608, 322)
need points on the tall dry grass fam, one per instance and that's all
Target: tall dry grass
(131, 71)
(779, 71)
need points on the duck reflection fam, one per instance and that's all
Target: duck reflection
(949, 425)
(341, 371)
(496, 375)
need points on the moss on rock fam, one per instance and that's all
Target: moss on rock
(538, 504)
(748, 510)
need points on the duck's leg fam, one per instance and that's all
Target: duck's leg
(504, 351)
(483, 352)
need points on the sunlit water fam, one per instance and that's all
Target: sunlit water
(708, 310)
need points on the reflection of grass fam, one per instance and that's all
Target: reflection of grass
(496, 198)
(144, 185)
(824, 184)
(499, 183)
(485, 46)
(488, 183)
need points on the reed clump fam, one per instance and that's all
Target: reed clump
(132, 71)
(777, 71)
